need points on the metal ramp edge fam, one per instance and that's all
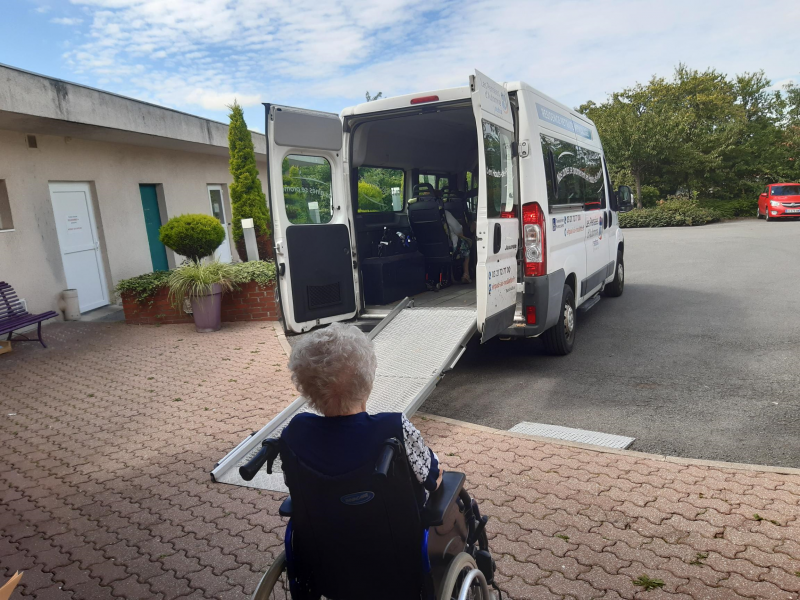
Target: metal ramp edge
(415, 347)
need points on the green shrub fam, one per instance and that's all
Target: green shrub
(260, 271)
(673, 212)
(731, 209)
(192, 236)
(143, 287)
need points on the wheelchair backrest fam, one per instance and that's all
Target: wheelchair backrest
(357, 536)
(427, 221)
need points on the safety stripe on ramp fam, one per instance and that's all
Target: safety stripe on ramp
(569, 434)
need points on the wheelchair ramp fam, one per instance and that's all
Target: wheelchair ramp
(415, 347)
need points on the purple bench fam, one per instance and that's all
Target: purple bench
(13, 316)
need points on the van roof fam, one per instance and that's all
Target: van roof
(448, 95)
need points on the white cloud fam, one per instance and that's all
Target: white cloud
(67, 21)
(203, 53)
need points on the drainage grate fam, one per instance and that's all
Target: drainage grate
(573, 435)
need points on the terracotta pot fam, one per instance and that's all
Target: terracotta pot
(207, 310)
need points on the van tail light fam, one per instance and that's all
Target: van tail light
(533, 234)
(530, 315)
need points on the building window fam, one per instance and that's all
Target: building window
(6, 222)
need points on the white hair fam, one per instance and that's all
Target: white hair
(334, 368)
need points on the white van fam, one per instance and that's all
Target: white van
(358, 205)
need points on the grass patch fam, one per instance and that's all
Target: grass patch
(699, 558)
(647, 583)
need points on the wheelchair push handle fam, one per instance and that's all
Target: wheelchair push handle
(269, 452)
(385, 458)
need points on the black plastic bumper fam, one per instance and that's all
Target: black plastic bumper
(545, 294)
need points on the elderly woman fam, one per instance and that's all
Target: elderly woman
(334, 368)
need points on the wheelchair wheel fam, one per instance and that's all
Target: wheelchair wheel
(458, 584)
(274, 585)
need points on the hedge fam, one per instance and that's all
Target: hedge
(673, 212)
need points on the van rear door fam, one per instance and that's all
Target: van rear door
(497, 234)
(313, 250)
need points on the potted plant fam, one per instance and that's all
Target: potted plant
(202, 283)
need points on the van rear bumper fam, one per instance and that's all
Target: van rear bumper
(545, 294)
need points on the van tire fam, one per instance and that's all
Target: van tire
(559, 339)
(616, 287)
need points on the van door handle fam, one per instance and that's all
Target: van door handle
(498, 238)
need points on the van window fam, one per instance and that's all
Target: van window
(499, 170)
(380, 189)
(307, 189)
(574, 175)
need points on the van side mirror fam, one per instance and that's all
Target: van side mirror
(624, 199)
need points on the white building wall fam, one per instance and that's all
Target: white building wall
(30, 257)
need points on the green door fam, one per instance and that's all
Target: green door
(152, 223)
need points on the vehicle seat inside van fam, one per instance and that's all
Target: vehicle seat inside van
(427, 220)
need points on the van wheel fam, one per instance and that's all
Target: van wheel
(559, 339)
(615, 288)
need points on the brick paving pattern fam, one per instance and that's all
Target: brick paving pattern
(106, 494)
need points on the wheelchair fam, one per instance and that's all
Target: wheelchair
(363, 535)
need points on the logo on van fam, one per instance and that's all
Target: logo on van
(504, 101)
(554, 223)
(357, 498)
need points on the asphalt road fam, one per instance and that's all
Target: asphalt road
(700, 357)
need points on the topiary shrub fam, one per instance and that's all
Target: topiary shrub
(192, 236)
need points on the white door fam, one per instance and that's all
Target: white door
(223, 253)
(497, 232)
(80, 246)
(314, 250)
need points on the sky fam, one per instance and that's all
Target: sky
(197, 56)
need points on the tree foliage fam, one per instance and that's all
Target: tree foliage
(247, 198)
(700, 131)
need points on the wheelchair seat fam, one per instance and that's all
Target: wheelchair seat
(362, 535)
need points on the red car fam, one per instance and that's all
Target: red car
(779, 200)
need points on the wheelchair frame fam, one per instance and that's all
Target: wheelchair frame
(462, 572)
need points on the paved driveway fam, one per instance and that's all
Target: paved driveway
(107, 438)
(700, 357)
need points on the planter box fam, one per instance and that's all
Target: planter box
(249, 303)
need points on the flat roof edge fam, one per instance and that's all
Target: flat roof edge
(115, 95)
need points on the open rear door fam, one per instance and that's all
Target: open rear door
(310, 217)
(497, 231)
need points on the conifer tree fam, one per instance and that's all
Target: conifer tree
(247, 197)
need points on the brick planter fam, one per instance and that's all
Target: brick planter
(249, 303)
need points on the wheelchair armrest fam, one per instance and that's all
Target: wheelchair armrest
(432, 514)
(286, 507)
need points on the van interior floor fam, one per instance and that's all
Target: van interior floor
(456, 295)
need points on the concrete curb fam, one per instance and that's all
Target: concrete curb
(281, 335)
(632, 453)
